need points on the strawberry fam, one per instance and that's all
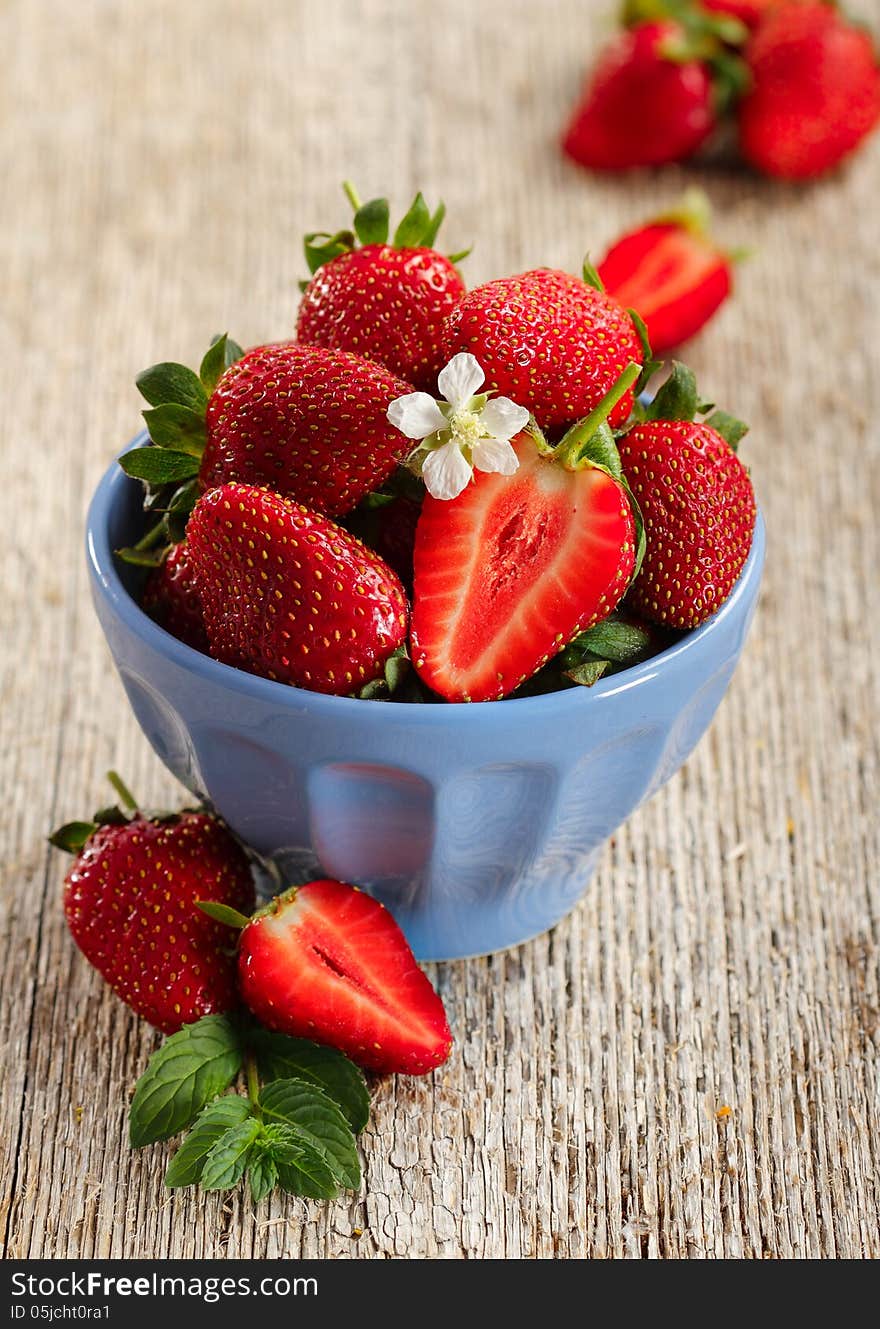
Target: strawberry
(749, 12)
(697, 503)
(130, 902)
(670, 272)
(327, 962)
(395, 538)
(171, 598)
(517, 565)
(307, 422)
(549, 341)
(644, 104)
(384, 301)
(815, 91)
(288, 594)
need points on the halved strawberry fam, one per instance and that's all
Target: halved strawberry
(516, 566)
(670, 272)
(327, 962)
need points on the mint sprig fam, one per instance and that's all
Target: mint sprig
(296, 1130)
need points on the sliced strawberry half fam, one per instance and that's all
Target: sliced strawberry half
(516, 566)
(326, 961)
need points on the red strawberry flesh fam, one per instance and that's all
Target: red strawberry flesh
(328, 962)
(508, 573)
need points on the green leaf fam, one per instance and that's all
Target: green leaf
(375, 690)
(615, 640)
(377, 500)
(222, 353)
(598, 448)
(72, 835)
(262, 1175)
(281, 1058)
(430, 236)
(227, 1158)
(591, 276)
(159, 466)
(223, 913)
(460, 254)
(178, 427)
(318, 1123)
(372, 222)
(641, 537)
(141, 558)
(169, 383)
(320, 247)
(730, 429)
(677, 399)
(189, 1069)
(397, 667)
(214, 1121)
(649, 364)
(415, 225)
(588, 673)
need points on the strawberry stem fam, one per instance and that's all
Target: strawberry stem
(352, 195)
(125, 794)
(568, 452)
(253, 1083)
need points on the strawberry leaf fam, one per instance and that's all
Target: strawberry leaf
(222, 353)
(159, 466)
(415, 225)
(318, 1124)
(280, 1057)
(189, 1069)
(677, 399)
(591, 276)
(223, 913)
(174, 426)
(372, 222)
(214, 1121)
(321, 248)
(170, 383)
(430, 236)
(228, 1157)
(730, 429)
(72, 835)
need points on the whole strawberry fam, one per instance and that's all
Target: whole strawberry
(645, 103)
(302, 420)
(549, 341)
(697, 504)
(815, 91)
(288, 594)
(130, 901)
(385, 300)
(171, 598)
(671, 272)
(749, 12)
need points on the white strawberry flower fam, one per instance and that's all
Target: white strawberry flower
(461, 431)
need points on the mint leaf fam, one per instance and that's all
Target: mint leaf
(189, 1069)
(588, 673)
(222, 353)
(282, 1058)
(159, 466)
(168, 382)
(174, 426)
(262, 1175)
(228, 1156)
(319, 1125)
(415, 225)
(215, 1120)
(614, 640)
(371, 222)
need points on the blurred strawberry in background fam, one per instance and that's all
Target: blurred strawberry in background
(798, 78)
(671, 272)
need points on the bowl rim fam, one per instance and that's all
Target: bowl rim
(105, 576)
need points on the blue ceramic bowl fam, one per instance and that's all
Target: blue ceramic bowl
(478, 825)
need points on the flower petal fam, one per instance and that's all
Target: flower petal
(416, 415)
(502, 418)
(460, 379)
(495, 454)
(445, 471)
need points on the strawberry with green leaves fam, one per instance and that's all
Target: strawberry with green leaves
(383, 297)
(304, 421)
(290, 595)
(520, 546)
(130, 900)
(671, 272)
(553, 343)
(697, 503)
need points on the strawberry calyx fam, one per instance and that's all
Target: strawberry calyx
(708, 37)
(73, 835)
(679, 399)
(168, 465)
(371, 225)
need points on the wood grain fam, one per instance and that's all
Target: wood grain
(688, 1066)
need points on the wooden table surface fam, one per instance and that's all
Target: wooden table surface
(686, 1067)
